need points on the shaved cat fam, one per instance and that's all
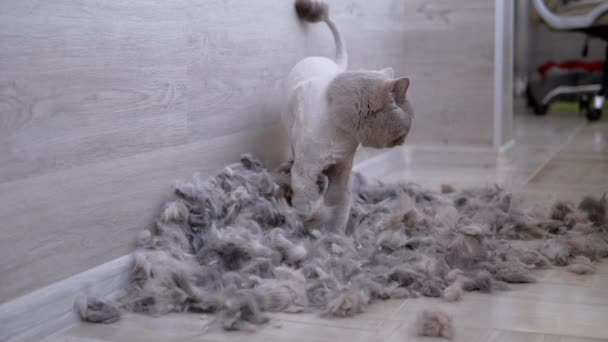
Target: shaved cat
(329, 113)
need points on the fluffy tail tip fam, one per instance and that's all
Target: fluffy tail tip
(312, 10)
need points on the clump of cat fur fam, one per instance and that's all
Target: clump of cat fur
(232, 245)
(434, 323)
(96, 311)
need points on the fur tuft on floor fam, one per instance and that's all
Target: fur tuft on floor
(434, 323)
(96, 311)
(232, 245)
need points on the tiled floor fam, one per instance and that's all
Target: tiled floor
(558, 156)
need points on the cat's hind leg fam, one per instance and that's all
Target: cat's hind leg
(322, 179)
(304, 182)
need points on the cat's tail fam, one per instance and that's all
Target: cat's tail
(315, 11)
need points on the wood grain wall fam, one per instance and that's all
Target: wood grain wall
(103, 104)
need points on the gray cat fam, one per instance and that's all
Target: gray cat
(329, 112)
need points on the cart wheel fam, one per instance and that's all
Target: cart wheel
(593, 114)
(584, 103)
(541, 109)
(529, 98)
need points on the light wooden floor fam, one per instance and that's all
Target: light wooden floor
(556, 156)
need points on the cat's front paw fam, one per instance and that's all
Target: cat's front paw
(304, 212)
(304, 208)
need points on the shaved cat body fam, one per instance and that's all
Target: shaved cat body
(329, 113)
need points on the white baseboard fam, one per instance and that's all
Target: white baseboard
(506, 147)
(408, 155)
(45, 311)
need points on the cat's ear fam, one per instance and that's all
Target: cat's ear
(388, 72)
(400, 87)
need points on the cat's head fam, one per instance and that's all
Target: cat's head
(373, 106)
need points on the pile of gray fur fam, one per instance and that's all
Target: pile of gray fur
(233, 245)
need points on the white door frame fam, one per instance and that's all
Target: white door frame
(503, 71)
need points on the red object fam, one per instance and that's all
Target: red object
(572, 65)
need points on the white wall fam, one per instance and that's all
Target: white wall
(103, 104)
